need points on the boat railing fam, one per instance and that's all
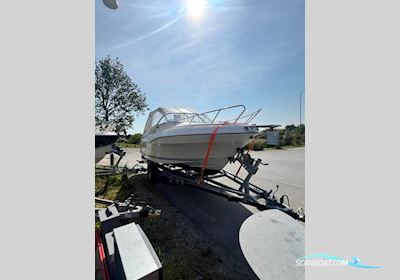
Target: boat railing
(248, 117)
(205, 119)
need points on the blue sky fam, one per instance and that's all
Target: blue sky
(206, 54)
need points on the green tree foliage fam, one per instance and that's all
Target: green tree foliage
(135, 138)
(293, 135)
(259, 145)
(118, 99)
(299, 134)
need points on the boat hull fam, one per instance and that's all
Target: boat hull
(191, 150)
(101, 152)
(104, 145)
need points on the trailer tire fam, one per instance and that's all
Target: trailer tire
(152, 171)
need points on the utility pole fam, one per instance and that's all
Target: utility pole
(301, 92)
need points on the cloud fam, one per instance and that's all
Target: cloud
(144, 37)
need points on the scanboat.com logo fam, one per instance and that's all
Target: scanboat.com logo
(329, 260)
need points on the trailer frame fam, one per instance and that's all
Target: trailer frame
(246, 193)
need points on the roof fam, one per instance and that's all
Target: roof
(106, 129)
(169, 110)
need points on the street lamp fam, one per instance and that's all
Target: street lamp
(301, 92)
(112, 4)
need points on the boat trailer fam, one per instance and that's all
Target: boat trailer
(246, 192)
(115, 168)
(118, 224)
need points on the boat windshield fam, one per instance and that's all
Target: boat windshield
(183, 115)
(172, 115)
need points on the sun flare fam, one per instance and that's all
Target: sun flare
(195, 8)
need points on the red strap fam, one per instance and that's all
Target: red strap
(210, 144)
(102, 255)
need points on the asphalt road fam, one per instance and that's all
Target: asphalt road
(286, 169)
(220, 218)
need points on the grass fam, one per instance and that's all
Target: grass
(116, 188)
(127, 145)
(279, 148)
(283, 147)
(294, 146)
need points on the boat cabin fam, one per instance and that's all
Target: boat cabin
(173, 115)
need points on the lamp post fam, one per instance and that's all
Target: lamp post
(301, 92)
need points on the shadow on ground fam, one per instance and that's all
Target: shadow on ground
(217, 217)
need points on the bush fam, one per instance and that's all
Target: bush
(293, 135)
(135, 138)
(122, 140)
(258, 145)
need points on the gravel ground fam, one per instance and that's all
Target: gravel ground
(185, 251)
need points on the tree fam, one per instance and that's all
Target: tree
(300, 134)
(290, 127)
(135, 138)
(293, 135)
(118, 99)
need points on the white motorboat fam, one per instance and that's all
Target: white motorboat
(105, 138)
(183, 137)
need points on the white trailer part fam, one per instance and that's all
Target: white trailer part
(135, 257)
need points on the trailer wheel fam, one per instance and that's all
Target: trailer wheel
(152, 171)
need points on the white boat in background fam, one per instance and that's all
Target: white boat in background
(183, 137)
(105, 138)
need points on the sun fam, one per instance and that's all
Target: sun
(195, 8)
